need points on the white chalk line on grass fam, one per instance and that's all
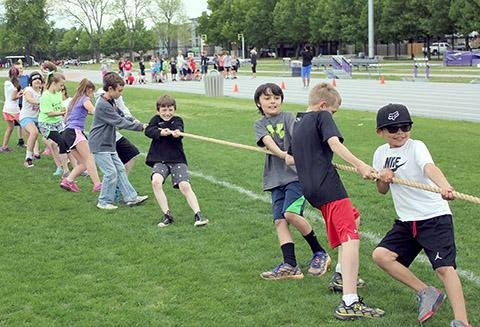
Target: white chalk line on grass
(310, 213)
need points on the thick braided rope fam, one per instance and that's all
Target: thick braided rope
(396, 180)
(426, 187)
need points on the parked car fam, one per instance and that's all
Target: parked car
(26, 60)
(267, 53)
(437, 48)
(71, 62)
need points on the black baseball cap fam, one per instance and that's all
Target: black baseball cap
(393, 114)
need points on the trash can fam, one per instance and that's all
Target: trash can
(296, 68)
(213, 82)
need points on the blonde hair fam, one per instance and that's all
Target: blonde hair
(324, 92)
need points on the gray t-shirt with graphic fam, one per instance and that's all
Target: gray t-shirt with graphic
(276, 173)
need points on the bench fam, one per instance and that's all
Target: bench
(364, 62)
(322, 61)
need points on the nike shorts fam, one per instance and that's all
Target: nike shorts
(435, 236)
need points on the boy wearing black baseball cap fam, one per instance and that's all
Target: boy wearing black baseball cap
(424, 218)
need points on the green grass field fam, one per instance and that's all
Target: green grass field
(64, 262)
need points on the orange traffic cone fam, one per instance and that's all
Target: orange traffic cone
(235, 88)
(334, 83)
(382, 79)
(283, 86)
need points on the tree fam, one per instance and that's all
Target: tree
(259, 17)
(90, 15)
(27, 29)
(114, 40)
(227, 20)
(133, 12)
(170, 20)
(464, 14)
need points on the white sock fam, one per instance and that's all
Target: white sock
(29, 154)
(349, 299)
(338, 268)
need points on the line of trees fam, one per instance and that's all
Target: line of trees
(330, 24)
(108, 27)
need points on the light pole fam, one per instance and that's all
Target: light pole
(240, 36)
(371, 36)
(203, 40)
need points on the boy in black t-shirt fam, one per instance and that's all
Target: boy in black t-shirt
(315, 130)
(166, 157)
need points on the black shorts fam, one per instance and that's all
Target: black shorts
(435, 236)
(126, 151)
(58, 138)
(72, 137)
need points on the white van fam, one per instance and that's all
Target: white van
(26, 60)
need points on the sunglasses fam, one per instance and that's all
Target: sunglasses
(394, 128)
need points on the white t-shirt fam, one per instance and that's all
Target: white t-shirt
(10, 106)
(408, 162)
(28, 109)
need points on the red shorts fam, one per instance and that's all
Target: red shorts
(340, 216)
(11, 117)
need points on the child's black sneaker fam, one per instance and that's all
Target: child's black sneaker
(21, 143)
(167, 220)
(336, 283)
(200, 220)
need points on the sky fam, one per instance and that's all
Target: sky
(194, 8)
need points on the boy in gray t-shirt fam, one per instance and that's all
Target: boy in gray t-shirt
(273, 132)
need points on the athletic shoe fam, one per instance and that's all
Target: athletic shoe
(36, 156)
(283, 271)
(167, 220)
(28, 163)
(319, 264)
(458, 323)
(97, 188)
(200, 220)
(429, 301)
(336, 283)
(5, 149)
(21, 144)
(106, 206)
(138, 200)
(69, 186)
(357, 310)
(58, 171)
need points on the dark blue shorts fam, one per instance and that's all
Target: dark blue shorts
(434, 236)
(287, 198)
